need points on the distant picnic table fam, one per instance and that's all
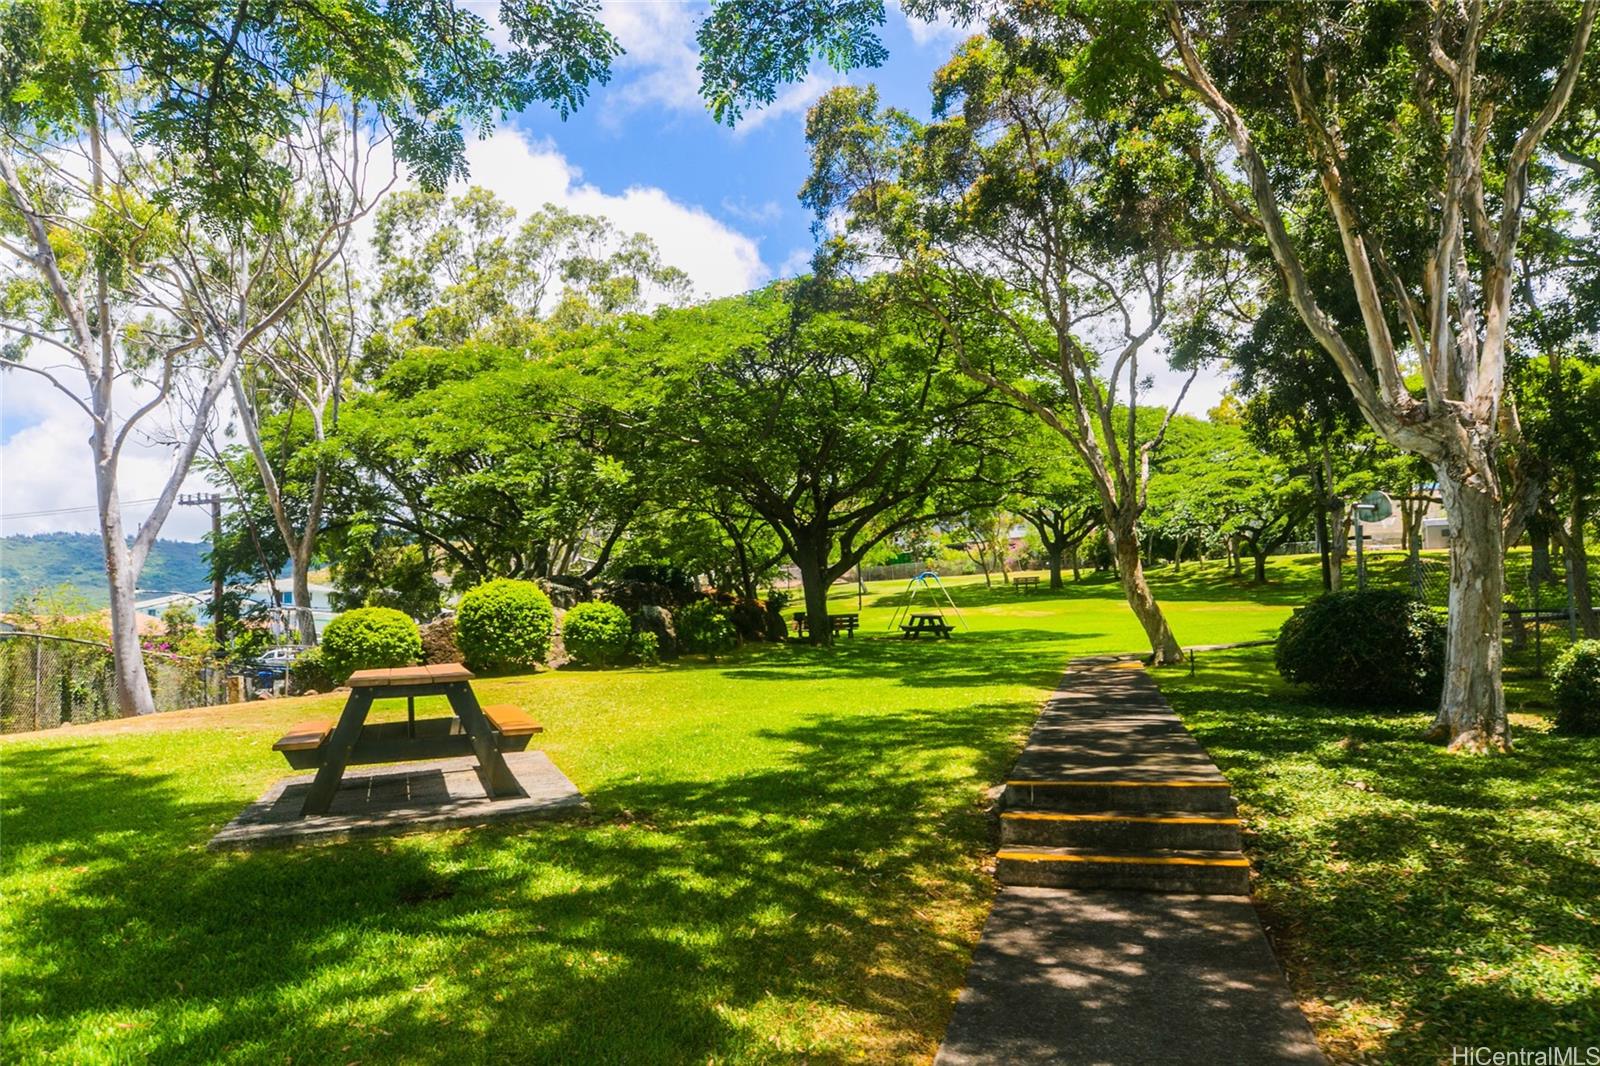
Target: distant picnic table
(846, 623)
(934, 624)
(470, 729)
(1025, 584)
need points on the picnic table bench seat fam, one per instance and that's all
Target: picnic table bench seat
(841, 623)
(389, 741)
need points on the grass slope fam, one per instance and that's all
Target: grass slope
(45, 560)
(786, 859)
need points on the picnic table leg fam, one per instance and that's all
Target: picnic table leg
(497, 777)
(336, 753)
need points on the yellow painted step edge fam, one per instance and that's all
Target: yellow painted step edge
(1144, 860)
(1056, 816)
(1120, 784)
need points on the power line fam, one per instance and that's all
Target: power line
(72, 510)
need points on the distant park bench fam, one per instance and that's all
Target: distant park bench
(841, 623)
(1025, 584)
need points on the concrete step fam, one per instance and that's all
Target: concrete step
(1113, 794)
(1122, 830)
(1212, 873)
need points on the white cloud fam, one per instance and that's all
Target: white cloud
(942, 31)
(46, 466)
(796, 263)
(792, 100)
(719, 259)
(658, 67)
(758, 214)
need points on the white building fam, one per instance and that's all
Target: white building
(260, 596)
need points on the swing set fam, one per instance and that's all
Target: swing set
(911, 622)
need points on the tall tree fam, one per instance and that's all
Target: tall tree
(838, 417)
(1016, 213)
(1415, 129)
(135, 133)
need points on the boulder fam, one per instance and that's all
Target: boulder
(658, 620)
(566, 590)
(557, 656)
(439, 642)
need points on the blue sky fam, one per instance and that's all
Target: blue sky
(720, 204)
(648, 127)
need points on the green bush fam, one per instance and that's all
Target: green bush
(1365, 647)
(310, 673)
(1575, 684)
(596, 634)
(646, 648)
(369, 638)
(505, 625)
(706, 626)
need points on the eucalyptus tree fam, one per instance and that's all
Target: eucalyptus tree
(1015, 213)
(1414, 130)
(833, 412)
(454, 268)
(135, 132)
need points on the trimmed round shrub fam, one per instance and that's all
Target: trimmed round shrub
(505, 625)
(1365, 647)
(1575, 684)
(370, 638)
(706, 626)
(646, 648)
(309, 673)
(596, 634)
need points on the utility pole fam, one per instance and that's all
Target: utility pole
(214, 501)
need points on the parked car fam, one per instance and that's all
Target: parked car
(277, 660)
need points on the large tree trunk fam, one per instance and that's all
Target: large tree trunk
(1164, 648)
(300, 584)
(132, 683)
(1261, 564)
(1055, 566)
(814, 584)
(1472, 708)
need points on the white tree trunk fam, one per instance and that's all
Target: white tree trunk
(1472, 708)
(122, 578)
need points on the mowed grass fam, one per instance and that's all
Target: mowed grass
(1419, 900)
(785, 860)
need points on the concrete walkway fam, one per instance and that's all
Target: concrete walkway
(1131, 964)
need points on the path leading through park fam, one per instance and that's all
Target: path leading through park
(1123, 931)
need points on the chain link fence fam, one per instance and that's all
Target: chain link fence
(48, 681)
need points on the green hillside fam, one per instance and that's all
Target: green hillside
(40, 560)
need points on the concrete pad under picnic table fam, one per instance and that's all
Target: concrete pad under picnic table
(403, 798)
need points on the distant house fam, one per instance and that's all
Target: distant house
(260, 596)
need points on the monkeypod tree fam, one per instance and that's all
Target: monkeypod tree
(1055, 252)
(833, 412)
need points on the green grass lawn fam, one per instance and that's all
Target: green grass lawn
(786, 859)
(1419, 900)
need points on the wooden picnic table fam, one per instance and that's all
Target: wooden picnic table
(484, 732)
(847, 623)
(917, 624)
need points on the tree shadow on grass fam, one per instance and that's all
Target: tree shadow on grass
(765, 915)
(1450, 895)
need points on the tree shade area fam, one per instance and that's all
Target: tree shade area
(437, 428)
(786, 856)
